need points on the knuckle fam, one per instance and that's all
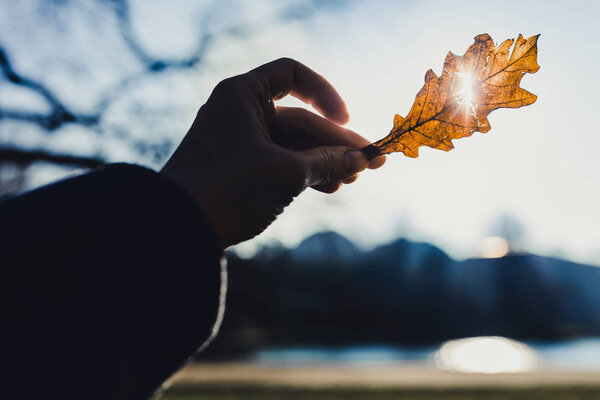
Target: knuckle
(297, 173)
(228, 85)
(286, 61)
(328, 164)
(288, 173)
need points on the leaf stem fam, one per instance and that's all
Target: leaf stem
(371, 151)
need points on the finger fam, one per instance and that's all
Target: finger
(351, 179)
(325, 165)
(287, 76)
(301, 128)
(376, 162)
(335, 186)
(329, 187)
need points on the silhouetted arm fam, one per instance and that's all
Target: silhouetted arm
(111, 281)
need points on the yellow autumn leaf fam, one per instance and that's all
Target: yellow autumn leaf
(457, 103)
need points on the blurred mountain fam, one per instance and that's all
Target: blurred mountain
(326, 291)
(325, 246)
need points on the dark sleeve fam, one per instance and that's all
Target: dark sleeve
(111, 281)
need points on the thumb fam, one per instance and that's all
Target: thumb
(329, 164)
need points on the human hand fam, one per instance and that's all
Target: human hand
(244, 160)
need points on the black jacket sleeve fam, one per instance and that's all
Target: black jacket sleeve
(110, 282)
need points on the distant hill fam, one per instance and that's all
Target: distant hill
(327, 291)
(325, 246)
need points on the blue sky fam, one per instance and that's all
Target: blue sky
(538, 163)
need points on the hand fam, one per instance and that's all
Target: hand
(244, 160)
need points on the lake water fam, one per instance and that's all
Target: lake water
(576, 355)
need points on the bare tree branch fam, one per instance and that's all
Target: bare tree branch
(12, 76)
(60, 114)
(25, 158)
(154, 65)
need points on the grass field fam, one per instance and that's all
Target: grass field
(247, 381)
(272, 393)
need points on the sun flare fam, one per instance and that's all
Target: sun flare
(494, 247)
(466, 92)
(486, 355)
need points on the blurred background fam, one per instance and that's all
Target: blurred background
(476, 268)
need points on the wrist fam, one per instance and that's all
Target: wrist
(181, 177)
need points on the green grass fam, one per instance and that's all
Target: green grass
(230, 392)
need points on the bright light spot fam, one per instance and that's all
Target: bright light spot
(494, 247)
(486, 355)
(465, 94)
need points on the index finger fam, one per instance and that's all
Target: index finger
(287, 76)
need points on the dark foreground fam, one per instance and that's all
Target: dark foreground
(225, 381)
(204, 392)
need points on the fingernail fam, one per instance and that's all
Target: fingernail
(356, 161)
(350, 179)
(345, 117)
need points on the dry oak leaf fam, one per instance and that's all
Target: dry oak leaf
(457, 103)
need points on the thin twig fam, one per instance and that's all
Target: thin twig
(25, 158)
